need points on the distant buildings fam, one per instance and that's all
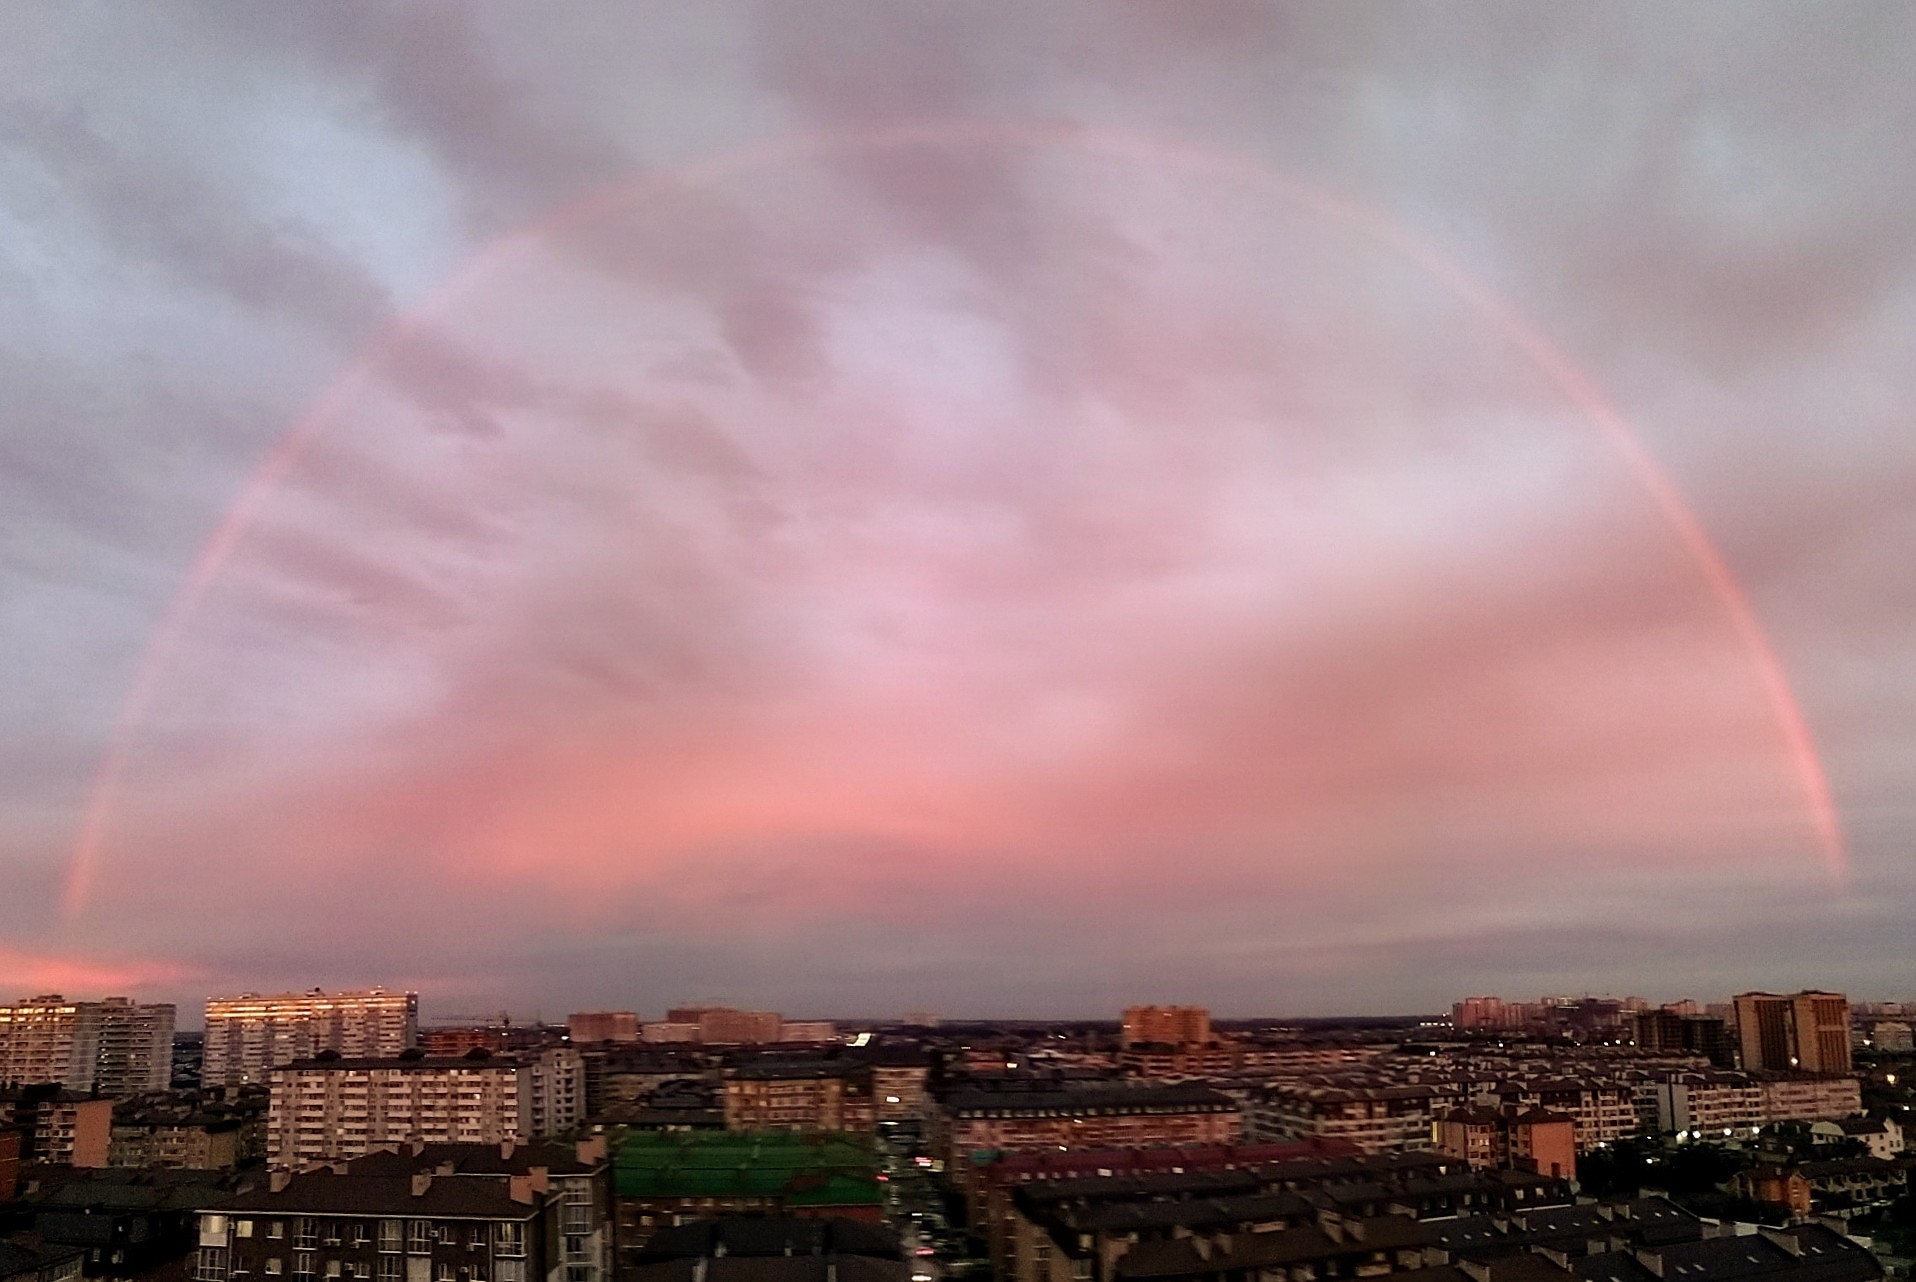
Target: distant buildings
(585, 1027)
(1173, 1026)
(115, 1047)
(250, 1035)
(1670, 1030)
(1804, 1032)
(724, 1026)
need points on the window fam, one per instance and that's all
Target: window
(419, 1236)
(276, 1228)
(509, 1239)
(305, 1233)
(391, 1235)
(477, 1273)
(305, 1266)
(389, 1269)
(442, 1272)
(333, 1270)
(274, 1266)
(242, 1228)
(509, 1271)
(211, 1265)
(357, 1233)
(476, 1238)
(331, 1237)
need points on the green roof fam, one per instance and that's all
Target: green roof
(803, 1169)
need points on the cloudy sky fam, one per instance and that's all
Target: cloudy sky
(993, 509)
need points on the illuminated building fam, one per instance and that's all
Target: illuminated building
(116, 1047)
(250, 1035)
(1176, 1026)
(323, 1109)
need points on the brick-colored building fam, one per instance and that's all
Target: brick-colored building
(1804, 1032)
(1175, 1026)
(819, 1095)
(57, 1126)
(1492, 1139)
(972, 1121)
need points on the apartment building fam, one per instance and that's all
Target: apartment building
(1375, 1118)
(57, 1126)
(824, 1095)
(423, 1213)
(1808, 1099)
(1605, 1110)
(324, 1109)
(587, 1027)
(1805, 1032)
(248, 1036)
(1174, 1026)
(976, 1118)
(115, 1047)
(1704, 1105)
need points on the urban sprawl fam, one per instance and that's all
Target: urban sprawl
(309, 1136)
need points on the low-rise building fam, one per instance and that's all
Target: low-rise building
(58, 1126)
(1803, 1098)
(422, 1213)
(799, 1095)
(972, 1121)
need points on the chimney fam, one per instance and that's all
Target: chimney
(1476, 1270)
(505, 1150)
(1788, 1241)
(278, 1180)
(418, 1147)
(592, 1151)
(521, 1189)
(421, 1181)
(541, 1178)
(1652, 1261)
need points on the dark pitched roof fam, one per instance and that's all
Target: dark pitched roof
(473, 1159)
(799, 1268)
(18, 1258)
(453, 1197)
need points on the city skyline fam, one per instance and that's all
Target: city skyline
(851, 508)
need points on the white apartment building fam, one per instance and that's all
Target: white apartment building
(330, 1108)
(117, 1047)
(1810, 1099)
(1710, 1105)
(248, 1036)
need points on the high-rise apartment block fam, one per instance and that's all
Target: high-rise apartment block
(326, 1108)
(1804, 1032)
(1167, 1026)
(1666, 1030)
(248, 1036)
(115, 1047)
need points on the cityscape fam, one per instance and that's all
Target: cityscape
(947, 641)
(329, 1134)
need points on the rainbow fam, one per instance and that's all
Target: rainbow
(1142, 149)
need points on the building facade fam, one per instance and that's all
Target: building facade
(116, 1047)
(428, 1213)
(248, 1036)
(1175, 1026)
(587, 1027)
(326, 1109)
(1805, 1032)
